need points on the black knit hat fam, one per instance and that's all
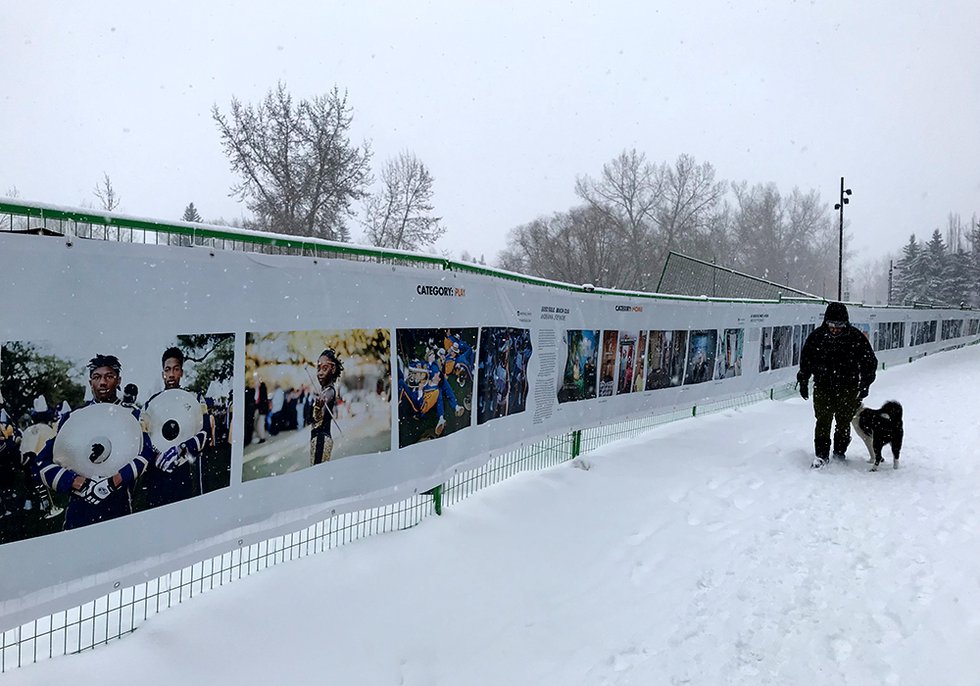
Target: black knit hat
(836, 312)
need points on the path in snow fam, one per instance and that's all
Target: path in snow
(703, 552)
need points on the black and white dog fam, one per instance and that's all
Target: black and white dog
(878, 428)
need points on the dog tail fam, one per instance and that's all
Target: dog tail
(894, 409)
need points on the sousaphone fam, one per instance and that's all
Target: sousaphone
(172, 417)
(34, 438)
(98, 440)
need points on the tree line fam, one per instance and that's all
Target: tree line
(635, 212)
(940, 271)
(299, 172)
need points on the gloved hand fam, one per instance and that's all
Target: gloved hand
(805, 389)
(171, 458)
(862, 392)
(94, 492)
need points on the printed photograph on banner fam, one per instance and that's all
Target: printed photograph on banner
(504, 356)
(888, 335)
(435, 382)
(94, 429)
(951, 328)
(701, 349)
(639, 370)
(729, 364)
(765, 349)
(627, 361)
(314, 396)
(923, 332)
(666, 352)
(863, 328)
(607, 364)
(776, 351)
(800, 333)
(578, 380)
(782, 347)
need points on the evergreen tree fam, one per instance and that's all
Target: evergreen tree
(909, 284)
(935, 268)
(958, 284)
(191, 214)
(973, 268)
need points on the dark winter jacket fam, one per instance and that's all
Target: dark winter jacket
(844, 361)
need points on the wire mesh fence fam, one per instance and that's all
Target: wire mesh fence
(683, 275)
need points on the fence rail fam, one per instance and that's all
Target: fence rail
(70, 223)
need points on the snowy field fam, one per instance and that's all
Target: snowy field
(703, 552)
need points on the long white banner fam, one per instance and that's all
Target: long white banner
(164, 404)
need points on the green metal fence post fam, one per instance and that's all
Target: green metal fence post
(576, 443)
(436, 494)
(694, 410)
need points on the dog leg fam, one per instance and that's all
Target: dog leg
(876, 451)
(865, 438)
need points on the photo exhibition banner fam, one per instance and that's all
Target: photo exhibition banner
(161, 404)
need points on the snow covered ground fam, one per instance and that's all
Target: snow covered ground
(703, 552)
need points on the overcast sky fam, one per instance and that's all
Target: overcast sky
(507, 102)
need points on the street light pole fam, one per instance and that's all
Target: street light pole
(844, 192)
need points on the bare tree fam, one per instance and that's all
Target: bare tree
(106, 194)
(574, 246)
(400, 215)
(656, 208)
(299, 171)
(688, 209)
(787, 239)
(625, 198)
(870, 281)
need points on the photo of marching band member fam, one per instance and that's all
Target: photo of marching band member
(187, 421)
(435, 382)
(665, 359)
(85, 440)
(504, 357)
(607, 365)
(313, 397)
(701, 356)
(578, 380)
(27, 507)
(730, 354)
(627, 361)
(86, 444)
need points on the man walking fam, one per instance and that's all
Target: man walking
(843, 366)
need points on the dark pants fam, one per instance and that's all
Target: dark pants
(832, 405)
